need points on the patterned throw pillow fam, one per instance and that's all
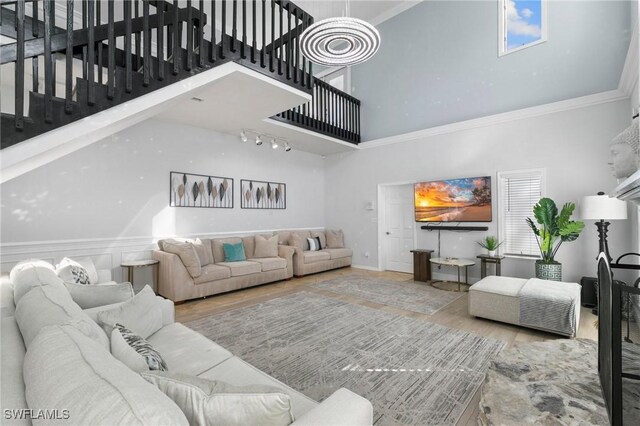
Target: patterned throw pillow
(141, 346)
(71, 271)
(314, 244)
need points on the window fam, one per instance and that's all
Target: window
(522, 24)
(519, 192)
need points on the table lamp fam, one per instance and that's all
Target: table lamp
(603, 208)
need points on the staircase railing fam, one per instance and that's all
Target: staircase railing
(331, 112)
(114, 51)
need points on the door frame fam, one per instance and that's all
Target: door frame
(382, 208)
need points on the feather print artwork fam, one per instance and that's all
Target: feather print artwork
(191, 190)
(262, 195)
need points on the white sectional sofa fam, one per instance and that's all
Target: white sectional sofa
(56, 357)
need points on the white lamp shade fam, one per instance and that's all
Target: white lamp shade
(602, 207)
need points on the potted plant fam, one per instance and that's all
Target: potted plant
(491, 244)
(554, 229)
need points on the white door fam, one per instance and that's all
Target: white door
(399, 228)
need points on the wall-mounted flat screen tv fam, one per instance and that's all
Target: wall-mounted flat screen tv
(454, 200)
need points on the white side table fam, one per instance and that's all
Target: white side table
(458, 263)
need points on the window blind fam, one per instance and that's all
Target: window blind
(520, 192)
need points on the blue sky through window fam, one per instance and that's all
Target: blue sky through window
(524, 22)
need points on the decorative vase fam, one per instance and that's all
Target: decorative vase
(493, 253)
(549, 271)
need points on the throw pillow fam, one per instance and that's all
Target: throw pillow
(296, 241)
(134, 351)
(208, 402)
(90, 296)
(187, 254)
(323, 237)
(233, 252)
(203, 250)
(266, 247)
(314, 244)
(71, 271)
(142, 314)
(335, 239)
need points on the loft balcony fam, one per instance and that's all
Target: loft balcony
(68, 60)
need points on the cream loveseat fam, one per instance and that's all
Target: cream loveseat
(333, 254)
(56, 358)
(181, 278)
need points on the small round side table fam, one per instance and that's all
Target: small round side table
(132, 265)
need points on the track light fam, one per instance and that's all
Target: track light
(274, 143)
(287, 148)
(258, 140)
(243, 136)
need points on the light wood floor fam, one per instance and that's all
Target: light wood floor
(454, 315)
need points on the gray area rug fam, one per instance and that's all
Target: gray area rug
(409, 295)
(414, 372)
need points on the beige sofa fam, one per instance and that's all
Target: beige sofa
(56, 358)
(310, 262)
(179, 283)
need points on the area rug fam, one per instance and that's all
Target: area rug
(414, 372)
(409, 295)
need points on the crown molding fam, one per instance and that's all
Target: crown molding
(629, 76)
(520, 114)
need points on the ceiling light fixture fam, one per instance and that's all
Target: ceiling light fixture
(274, 143)
(258, 140)
(287, 148)
(243, 136)
(340, 41)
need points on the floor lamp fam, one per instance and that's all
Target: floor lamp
(602, 209)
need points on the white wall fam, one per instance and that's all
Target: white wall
(571, 145)
(116, 192)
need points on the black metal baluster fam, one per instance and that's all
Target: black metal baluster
(273, 35)
(99, 22)
(19, 68)
(48, 73)
(138, 55)
(223, 28)
(84, 48)
(264, 33)
(234, 25)
(289, 60)
(280, 42)
(54, 58)
(201, 53)
(213, 51)
(358, 120)
(128, 59)
(189, 27)
(146, 39)
(297, 49)
(91, 54)
(69, 59)
(160, 39)
(111, 62)
(244, 30)
(177, 35)
(310, 74)
(253, 30)
(34, 61)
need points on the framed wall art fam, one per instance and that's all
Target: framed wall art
(191, 190)
(256, 194)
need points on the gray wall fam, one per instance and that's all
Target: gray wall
(119, 187)
(438, 63)
(572, 146)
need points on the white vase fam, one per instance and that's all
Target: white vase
(492, 253)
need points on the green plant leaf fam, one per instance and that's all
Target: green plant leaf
(571, 230)
(533, 227)
(546, 213)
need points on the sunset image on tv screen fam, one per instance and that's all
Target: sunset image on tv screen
(455, 200)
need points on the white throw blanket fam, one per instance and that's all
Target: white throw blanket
(549, 305)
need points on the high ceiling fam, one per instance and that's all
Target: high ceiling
(374, 11)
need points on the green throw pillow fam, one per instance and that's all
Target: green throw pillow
(233, 252)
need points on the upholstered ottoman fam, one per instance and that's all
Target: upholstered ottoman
(544, 305)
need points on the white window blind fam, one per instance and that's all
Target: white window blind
(519, 191)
